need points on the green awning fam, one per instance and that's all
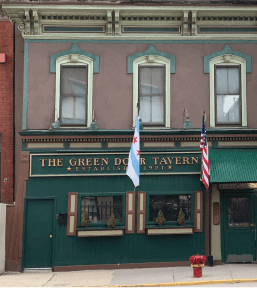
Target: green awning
(233, 165)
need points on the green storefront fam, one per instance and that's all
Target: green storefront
(66, 186)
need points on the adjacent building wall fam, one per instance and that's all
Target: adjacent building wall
(6, 110)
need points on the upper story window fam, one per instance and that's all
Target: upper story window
(74, 92)
(227, 70)
(152, 94)
(228, 94)
(151, 86)
(74, 70)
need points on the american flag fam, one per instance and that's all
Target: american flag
(205, 157)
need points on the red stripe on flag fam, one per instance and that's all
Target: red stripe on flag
(205, 170)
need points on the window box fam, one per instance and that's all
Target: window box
(169, 231)
(95, 232)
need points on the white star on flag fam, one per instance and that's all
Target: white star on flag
(134, 157)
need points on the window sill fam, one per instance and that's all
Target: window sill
(169, 230)
(88, 232)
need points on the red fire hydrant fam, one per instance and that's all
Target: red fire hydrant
(197, 262)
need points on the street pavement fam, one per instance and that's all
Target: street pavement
(220, 275)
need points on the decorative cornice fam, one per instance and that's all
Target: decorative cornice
(129, 138)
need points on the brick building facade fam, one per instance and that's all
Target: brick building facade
(6, 111)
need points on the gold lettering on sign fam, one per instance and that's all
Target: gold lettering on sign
(163, 161)
(51, 161)
(95, 169)
(118, 168)
(73, 162)
(102, 168)
(155, 160)
(96, 162)
(170, 160)
(104, 161)
(108, 168)
(83, 168)
(43, 162)
(156, 168)
(150, 167)
(185, 160)
(88, 168)
(142, 161)
(162, 167)
(169, 167)
(117, 161)
(59, 162)
(88, 162)
(178, 160)
(194, 160)
(145, 168)
(125, 161)
(124, 168)
(81, 162)
(77, 168)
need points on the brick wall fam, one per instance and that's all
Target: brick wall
(6, 111)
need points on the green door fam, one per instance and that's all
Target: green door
(239, 227)
(38, 233)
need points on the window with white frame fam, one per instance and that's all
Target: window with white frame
(228, 91)
(227, 94)
(151, 94)
(151, 89)
(73, 100)
(74, 83)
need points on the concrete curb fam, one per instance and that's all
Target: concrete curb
(205, 282)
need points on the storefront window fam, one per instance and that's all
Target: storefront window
(170, 206)
(99, 209)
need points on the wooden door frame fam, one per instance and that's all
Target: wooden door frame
(223, 196)
(53, 198)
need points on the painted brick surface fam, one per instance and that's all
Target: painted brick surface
(6, 111)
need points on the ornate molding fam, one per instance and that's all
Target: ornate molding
(151, 51)
(129, 138)
(76, 51)
(227, 52)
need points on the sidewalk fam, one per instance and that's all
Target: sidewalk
(228, 273)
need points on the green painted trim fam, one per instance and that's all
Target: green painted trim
(150, 51)
(227, 50)
(154, 29)
(205, 29)
(25, 87)
(200, 41)
(74, 50)
(73, 29)
(195, 131)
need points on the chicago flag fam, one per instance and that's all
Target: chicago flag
(134, 157)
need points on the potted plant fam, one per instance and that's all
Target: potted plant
(160, 219)
(85, 220)
(181, 218)
(112, 222)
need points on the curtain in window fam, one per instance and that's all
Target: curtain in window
(228, 95)
(151, 95)
(74, 93)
